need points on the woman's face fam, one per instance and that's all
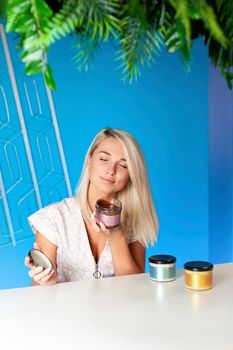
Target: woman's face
(108, 170)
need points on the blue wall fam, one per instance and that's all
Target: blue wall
(220, 169)
(167, 111)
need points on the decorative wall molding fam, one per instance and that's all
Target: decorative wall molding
(33, 170)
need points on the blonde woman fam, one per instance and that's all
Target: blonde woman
(67, 232)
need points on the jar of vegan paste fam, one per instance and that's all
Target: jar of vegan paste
(198, 275)
(108, 212)
(162, 268)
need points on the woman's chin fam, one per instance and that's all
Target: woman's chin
(107, 192)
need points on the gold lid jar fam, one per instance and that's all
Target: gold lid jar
(108, 212)
(198, 275)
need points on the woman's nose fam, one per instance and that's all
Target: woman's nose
(111, 169)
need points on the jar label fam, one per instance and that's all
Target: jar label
(108, 220)
(198, 280)
(163, 272)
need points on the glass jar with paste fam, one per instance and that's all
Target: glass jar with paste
(198, 275)
(162, 268)
(108, 212)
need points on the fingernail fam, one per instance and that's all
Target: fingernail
(102, 226)
(39, 268)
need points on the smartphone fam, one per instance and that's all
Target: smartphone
(38, 258)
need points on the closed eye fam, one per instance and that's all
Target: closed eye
(104, 159)
(123, 166)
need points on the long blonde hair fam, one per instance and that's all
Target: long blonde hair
(138, 212)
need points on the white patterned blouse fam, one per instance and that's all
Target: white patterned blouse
(63, 225)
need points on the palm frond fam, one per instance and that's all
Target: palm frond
(220, 55)
(93, 21)
(225, 16)
(140, 42)
(182, 13)
(3, 7)
(86, 50)
(29, 18)
(141, 27)
(210, 21)
(96, 16)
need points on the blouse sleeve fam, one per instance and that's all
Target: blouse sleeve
(46, 221)
(131, 236)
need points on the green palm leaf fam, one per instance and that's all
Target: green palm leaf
(29, 18)
(141, 27)
(140, 42)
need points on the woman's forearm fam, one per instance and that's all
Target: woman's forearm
(123, 261)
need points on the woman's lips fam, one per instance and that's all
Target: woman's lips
(109, 181)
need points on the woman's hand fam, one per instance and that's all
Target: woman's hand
(111, 234)
(44, 277)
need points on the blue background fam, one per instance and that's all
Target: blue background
(170, 114)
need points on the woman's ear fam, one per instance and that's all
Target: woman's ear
(88, 160)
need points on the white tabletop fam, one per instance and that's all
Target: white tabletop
(129, 312)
